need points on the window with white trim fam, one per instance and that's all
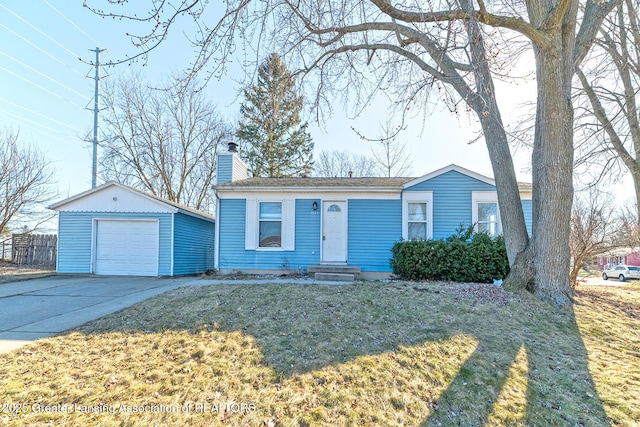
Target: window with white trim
(270, 225)
(417, 215)
(488, 218)
(417, 221)
(486, 213)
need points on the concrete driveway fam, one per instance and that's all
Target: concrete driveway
(44, 307)
(599, 281)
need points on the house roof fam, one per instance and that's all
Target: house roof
(316, 182)
(359, 183)
(177, 207)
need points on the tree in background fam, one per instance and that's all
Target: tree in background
(337, 163)
(26, 178)
(276, 142)
(162, 141)
(595, 229)
(608, 123)
(391, 155)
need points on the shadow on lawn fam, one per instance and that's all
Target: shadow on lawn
(560, 389)
(300, 329)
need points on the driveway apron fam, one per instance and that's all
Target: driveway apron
(44, 307)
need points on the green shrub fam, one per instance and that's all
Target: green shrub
(464, 257)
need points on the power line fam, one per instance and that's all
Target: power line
(42, 74)
(72, 23)
(36, 46)
(41, 32)
(37, 124)
(28, 110)
(40, 49)
(75, 25)
(39, 86)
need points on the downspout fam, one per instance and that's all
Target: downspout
(173, 242)
(216, 243)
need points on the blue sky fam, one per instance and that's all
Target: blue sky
(47, 93)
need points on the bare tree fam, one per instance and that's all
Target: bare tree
(629, 229)
(341, 163)
(392, 156)
(608, 125)
(163, 141)
(26, 179)
(376, 45)
(595, 229)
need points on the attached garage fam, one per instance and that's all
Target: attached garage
(117, 230)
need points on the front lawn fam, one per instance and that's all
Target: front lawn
(10, 272)
(365, 354)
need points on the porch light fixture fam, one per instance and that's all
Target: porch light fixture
(315, 206)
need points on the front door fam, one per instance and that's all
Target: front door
(334, 231)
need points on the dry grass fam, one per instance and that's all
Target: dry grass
(609, 321)
(14, 273)
(368, 354)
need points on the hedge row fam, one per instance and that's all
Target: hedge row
(464, 257)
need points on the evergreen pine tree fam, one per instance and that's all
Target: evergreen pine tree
(275, 142)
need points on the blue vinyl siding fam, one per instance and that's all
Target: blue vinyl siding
(74, 242)
(374, 226)
(232, 239)
(193, 244)
(451, 200)
(527, 208)
(225, 169)
(232, 233)
(307, 233)
(75, 236)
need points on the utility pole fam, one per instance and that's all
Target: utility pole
(96, 111)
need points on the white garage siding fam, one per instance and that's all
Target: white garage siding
(126, 247)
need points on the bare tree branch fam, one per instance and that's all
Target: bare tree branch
(162, 141)
(26, 177)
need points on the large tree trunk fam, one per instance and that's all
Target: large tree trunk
(485, 106)
(511, 212)
(552, 175)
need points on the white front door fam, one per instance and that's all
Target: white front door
(334, 231)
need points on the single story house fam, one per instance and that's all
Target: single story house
(114, 229)
(624, 256)
(274, 225)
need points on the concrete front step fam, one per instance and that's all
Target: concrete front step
(335, 277)
(328, 268)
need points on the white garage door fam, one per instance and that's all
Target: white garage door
(128, 248)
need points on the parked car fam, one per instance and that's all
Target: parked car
(622, 272)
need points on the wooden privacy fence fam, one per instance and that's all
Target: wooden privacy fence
(5, 249)
(34, 249)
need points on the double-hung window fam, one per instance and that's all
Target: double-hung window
(417, 221)
(270, 225)
(488, 218)
(486, 214)
(417, 216)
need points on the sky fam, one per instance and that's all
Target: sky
(47, 94)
